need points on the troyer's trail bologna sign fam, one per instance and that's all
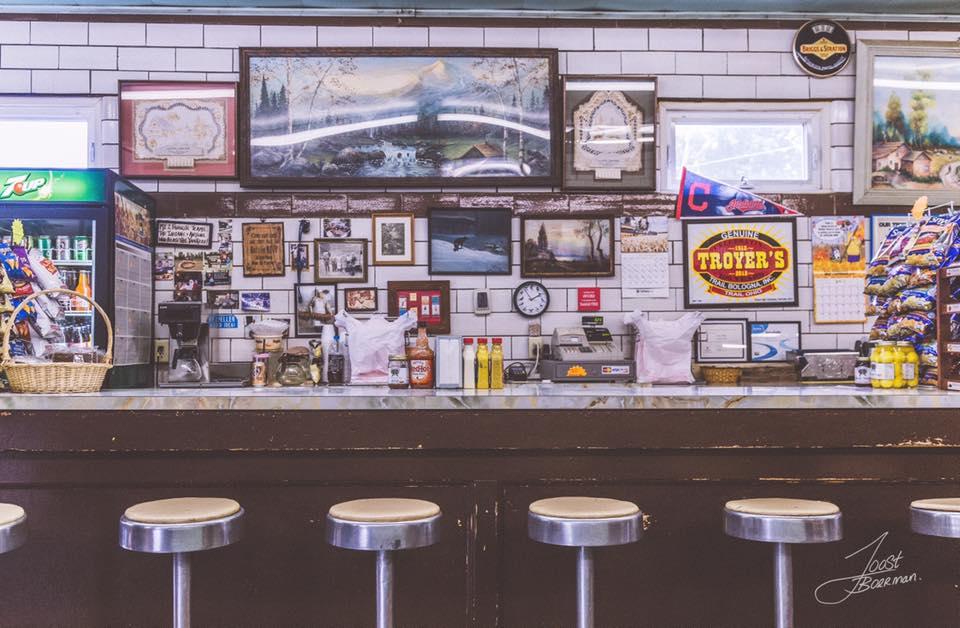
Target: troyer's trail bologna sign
(701, 197)
(740, 263)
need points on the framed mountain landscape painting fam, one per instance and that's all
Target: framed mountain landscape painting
(376, 117)
(907, 141)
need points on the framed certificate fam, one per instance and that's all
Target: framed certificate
(773, 341)
(723, 340)
(178, 129)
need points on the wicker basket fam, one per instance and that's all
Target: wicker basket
(56, 377)
(728, 375)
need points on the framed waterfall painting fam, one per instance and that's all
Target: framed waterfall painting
(376, 117)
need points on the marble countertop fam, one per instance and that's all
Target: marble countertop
(514, 397)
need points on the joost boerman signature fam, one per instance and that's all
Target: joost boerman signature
(873, 577)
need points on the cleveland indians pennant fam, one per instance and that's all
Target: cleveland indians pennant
(701, 197)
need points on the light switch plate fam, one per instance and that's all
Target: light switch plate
(481, 302)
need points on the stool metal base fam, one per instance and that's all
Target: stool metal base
(13, 535)
(772, 529)
(177, 538)
(943, 523)
(388, 536)
(584, 532)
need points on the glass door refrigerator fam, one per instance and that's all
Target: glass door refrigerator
(96, 227)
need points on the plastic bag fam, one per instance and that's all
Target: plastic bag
(372, 342)
(663, 349)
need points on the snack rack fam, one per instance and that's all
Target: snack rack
(948, 348)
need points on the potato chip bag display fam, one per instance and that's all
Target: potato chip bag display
(935, 243)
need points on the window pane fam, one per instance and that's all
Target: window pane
(766, 151)
(37, 143)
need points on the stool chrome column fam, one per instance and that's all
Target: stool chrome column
(584, 523)
(180, 526)
(939, 516)
(13, 527)
(783, 522)
(383, 526)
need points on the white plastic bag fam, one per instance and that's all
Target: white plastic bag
(663, 350)
(372, 342)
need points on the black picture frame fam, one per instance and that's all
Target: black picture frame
(346, 299)
(740, 223)
(549, 101)
(360, 243)
(181, 244)
(783, 324)
(526, 263)
(501, 214)
(299, 332)
(578, 90)
(741, 322)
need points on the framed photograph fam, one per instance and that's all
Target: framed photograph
(299, 255)
(880, 227)
(178, 129)
(315, 305)
(340, 260)
(263, 249)
(906, 143)
(566, 247)
(723, 340)
(223, 299)
(608, 141)
(430, 299)
(388, 117)
(255, 301)
(163, 267)
(469, 241)
(774, 341)
(743, 263)
(336, 228)
(360, 299)
(392, 239)
(184, 235)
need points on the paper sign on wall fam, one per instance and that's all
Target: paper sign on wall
(839, 268)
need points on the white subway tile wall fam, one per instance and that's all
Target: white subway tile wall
(715, 63)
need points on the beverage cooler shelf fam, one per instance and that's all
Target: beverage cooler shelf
(78, 263)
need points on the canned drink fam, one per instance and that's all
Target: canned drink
(61, 249)
(258, 370)
(44, 243)
(81, 248)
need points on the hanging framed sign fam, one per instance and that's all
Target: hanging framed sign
(746, 263)
(263, 249)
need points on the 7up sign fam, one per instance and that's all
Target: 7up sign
(53, 186)
(21, 185)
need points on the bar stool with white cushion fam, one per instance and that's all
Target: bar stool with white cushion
(939, 516)
(13, 527)
(783, 522)
(584, 523)
(383, 525)
(180, 526)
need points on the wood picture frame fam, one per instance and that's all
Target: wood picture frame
(438, 322)
(389, 247)
(340, 260)
(307, 315)
(263, 249)
(489, 241)
(152, 146)
(191, 234)
(354, 304)
(393, 151)
(537, 259)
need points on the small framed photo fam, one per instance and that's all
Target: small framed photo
(336, 228)
(340, 260)
(469, 241)
(315, 305)
(223, 299)
(299, 255)
(551, 246)
(393, 239)
(430, 299)
(360, 299)
(723, 340)
(774, 341)
(178, 129)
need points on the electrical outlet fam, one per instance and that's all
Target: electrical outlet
(534, 341)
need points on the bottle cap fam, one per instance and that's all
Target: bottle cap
(468, 341)
(482, 341)
(498, 341)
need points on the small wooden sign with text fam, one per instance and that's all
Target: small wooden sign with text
(263, 249)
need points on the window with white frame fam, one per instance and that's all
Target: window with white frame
(761, 146)
(50, 132)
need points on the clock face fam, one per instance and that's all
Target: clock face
(531, 298)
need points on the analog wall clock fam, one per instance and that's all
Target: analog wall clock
(531, 299)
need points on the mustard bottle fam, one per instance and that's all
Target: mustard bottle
(885, 366)
(483, 365)
(496, 365)
(911, 364)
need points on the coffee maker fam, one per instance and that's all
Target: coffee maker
(189, 363)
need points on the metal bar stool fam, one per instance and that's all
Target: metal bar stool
(383, 526)
(783, 522)
(181, 526)
(13, 527)
(584, 523)
(939, 516)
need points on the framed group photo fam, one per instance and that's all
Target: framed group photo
(470, 241)
(340, 260)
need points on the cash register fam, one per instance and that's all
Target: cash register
(586, 354)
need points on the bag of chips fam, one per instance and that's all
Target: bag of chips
(898, 279)
(923, 300)
(922, 277)
(878, 265)
(929, 377)
(877, 306)
(47, 274)
(879, 329)
(875, 285)
(911, 326)
(928, 354)
(935, 243)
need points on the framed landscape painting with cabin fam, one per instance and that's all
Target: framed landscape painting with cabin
(907, 140)
(329, 117)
